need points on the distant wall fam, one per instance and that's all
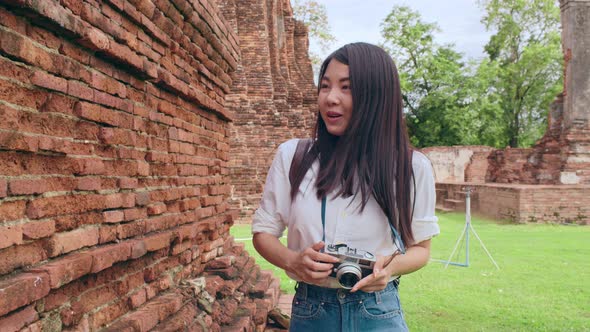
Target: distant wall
(459, 163)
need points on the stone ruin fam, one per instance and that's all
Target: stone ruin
(124, 128)
(549, 182)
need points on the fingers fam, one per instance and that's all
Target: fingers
(318, 246)
(373, 282)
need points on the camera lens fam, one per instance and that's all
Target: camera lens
(348, 275)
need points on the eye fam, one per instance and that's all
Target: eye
(346, 87)
(324, 86)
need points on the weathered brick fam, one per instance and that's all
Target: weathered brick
(48, 81)
(12, 210)
(3, 188)
(22, 255)
(106, 256)
(157, 241)
(37, 229)
(138, 298)
(19, 319)
(89, 183)
(64, 270)
(10, 235)
(156, 209)
(127, 183)
(113, 216)
(67, 204)
(61, 243)
(21, 290)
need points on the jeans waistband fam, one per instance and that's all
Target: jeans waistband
(324, 294)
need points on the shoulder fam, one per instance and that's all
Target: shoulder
(421, 165)
(286, 150)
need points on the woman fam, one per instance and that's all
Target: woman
(358, 184)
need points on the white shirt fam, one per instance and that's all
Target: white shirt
(368, 230)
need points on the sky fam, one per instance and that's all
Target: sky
(360, 20)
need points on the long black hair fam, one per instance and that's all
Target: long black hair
(373, 155)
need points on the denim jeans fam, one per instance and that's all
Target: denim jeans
(328, 309)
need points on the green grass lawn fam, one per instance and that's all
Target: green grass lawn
(542, 285)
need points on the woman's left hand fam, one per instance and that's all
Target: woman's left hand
(378, 279)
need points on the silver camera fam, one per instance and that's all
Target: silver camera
(354, 264)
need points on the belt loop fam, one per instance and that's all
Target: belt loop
(302, 290)
(378, 297)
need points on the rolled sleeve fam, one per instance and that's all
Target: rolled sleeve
(271, 216)
(424, 222)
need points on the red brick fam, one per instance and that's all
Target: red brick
(37, 229)
(95, 39)
(137, 299)
(3, 188)
(114, 201)
(61, 243)
(92, 299)
(156, 209)
(127, 183)
(48, 81)
(130, 229)
(107, 233)
(133, 214)
(106, 256)
(91, 166)
(18, 319)
(89, 183)
(14, 210)
(143, 198)
(10, 235)
(21, 290)
(18, 256)
(19, 142)
(138, 249)
(80, 90)
(113, 216)
(107, 314)
(157, 241)
(69, 204)
(63, 271)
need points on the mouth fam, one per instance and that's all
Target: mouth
(333, 115)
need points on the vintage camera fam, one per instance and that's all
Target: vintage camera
(354, 264)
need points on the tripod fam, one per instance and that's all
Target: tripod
(465, 234)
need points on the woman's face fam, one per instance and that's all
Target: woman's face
(335, 98)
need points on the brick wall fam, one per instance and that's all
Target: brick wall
(459, 163)
(115, 169)
(273, 95)
(524, 203)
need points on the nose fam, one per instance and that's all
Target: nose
(333, 97)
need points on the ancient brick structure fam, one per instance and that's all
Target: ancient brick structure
(551, 180)
(115, 161)
(273, 96)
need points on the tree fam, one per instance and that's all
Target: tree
(437, 85)
(526, 52)
(314, 16)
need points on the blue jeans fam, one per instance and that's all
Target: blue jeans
(328, 309)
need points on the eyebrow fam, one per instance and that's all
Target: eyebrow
(325, 77)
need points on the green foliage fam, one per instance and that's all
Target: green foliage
(526, 48)
(495, 101)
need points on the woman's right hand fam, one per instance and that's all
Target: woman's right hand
(311, 265)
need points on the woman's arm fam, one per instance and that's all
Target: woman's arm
(415, 258)
(310, 265)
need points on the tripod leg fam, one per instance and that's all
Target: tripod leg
(484, 247)
(457, 245)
